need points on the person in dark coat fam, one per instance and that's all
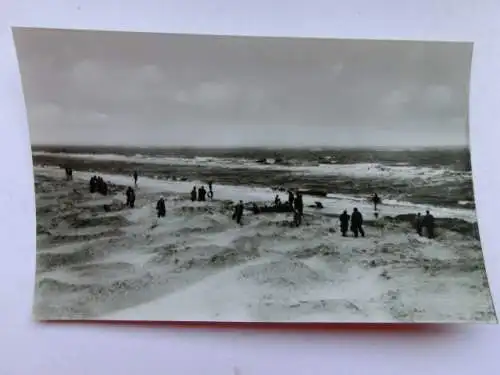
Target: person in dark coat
(238, 212)
(161, 210)
(210, 190)
(418, 224)
(130, 197)
(202, 194)
(291, 198)
(104, 188)
(344, 223)
(297, 218)
(93, 184)
(99, 184)
(69, 173)
(193, 194)
(357, 223)
(428, 223)
(136, 176)
(277, 200)
(375, 201)
(299, 204)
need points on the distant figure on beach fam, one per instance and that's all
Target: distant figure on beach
(428, 223)
(357, 223)
(299, 204)
(130, 197)
(297, 218)
(291, 198)
(376, 201)
(98, 184)
(210, 190)
(238, 212)
(277, 200)
(193, 194)
(102, 186)
(344, 223)
(136, 176)
(93, 184)
(418, 224)
(69, 173)
(161, 210)
(202, 193)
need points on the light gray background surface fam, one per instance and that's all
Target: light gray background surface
(30, 348)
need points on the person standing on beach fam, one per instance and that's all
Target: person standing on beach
(299, 204)
(104, 188)
(93, 184)
(291, 198)
(161, 210)
(428, 223)
(130, 197)
(193, 194)
(344, 223)
(136, 176)
(210, 190)
(69, 173)
(297, 218)
(375, 201)
(418, 224)
(357, 223)
(238, 212)
(202, 194)
(277, 201)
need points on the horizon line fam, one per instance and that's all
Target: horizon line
(416, 147)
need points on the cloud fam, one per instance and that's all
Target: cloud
(397, 98)
(124, 87)
(336, 70)
(209, 94)
(222, 95)
(46, 112)
(438, 96)
(93, 78)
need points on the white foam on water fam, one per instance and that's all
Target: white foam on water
(358, 170)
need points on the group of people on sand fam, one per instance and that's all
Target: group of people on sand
(200, 194)
(98, 185)
(352, 222)
(356, 219)
(425, 222)
(296, 204)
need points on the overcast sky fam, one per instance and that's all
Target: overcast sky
(88, 87)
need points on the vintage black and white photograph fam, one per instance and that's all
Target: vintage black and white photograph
(251, 179)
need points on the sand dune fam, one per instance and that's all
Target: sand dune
(197, 264)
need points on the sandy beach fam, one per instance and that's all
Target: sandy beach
(197, 264)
